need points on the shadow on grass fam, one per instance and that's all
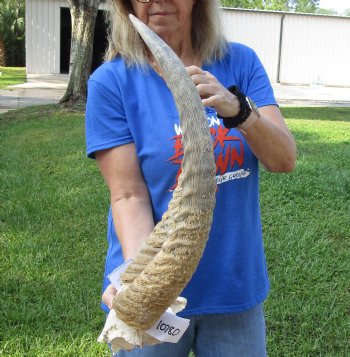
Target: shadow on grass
(304, 136)
(40, 111)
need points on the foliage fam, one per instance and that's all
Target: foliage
(12, 31)
(308, 6)
(277, 5)
(52, 241)
(322, 11)
(331, 11)
(346, 12)
(11, 76)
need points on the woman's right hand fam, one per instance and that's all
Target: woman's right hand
(108, 295)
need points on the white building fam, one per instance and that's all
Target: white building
(294, 48)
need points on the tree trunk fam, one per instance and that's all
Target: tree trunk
(83, 13)
(2, 53)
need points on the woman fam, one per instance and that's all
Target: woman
(133, 131)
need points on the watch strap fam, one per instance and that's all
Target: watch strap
(249, 122)
(244, 110)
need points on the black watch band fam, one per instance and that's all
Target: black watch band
(244, 110)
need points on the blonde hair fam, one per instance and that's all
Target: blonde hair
(123, 40)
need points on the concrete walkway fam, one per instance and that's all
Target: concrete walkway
(49, 89)
(312, 95)
(38, 90)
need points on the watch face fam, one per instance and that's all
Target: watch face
(253, 106)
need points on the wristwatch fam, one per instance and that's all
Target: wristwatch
(248, 111)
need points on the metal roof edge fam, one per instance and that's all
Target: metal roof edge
(285, 12)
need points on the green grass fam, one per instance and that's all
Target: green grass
(11, 76)
(53, 208)
(306, 219)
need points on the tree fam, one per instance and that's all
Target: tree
(2, 52)
(322, 11)
(83, 13)
(244, 4)
(12, 31)
(275, 5)
(307, 6)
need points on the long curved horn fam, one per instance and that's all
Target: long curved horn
(172, 252)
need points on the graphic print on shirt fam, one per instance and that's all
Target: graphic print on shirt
(228, 150)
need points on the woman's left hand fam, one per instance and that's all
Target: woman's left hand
(213, 93)
(108, 296)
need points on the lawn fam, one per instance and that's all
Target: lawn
(11, 76)
(53, 208)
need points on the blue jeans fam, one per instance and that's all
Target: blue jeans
(218, 335)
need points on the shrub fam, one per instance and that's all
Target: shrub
(12, 32)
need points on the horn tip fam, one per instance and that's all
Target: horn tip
(132, 18)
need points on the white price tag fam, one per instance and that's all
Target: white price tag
(114, 277)
(169, 328)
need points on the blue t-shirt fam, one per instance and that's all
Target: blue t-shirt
(128, 104)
